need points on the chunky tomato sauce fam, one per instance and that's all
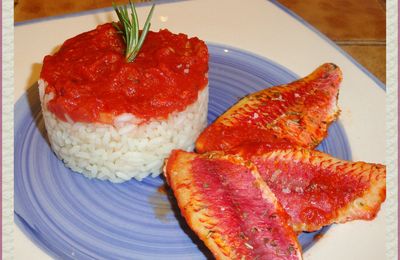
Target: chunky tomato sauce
(92, 82)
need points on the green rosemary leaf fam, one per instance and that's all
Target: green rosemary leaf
(149, 16)
(129, 28)
(135, 21)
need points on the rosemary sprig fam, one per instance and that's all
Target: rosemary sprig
(129, 28)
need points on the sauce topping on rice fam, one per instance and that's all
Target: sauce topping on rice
(92, 82)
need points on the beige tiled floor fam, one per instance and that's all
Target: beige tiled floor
(357, 26)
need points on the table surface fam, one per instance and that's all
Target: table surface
(358, 26)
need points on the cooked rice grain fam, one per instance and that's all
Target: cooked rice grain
(126, 149)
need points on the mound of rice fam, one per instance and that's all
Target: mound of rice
(126, 149)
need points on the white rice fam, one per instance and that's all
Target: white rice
(126, 149)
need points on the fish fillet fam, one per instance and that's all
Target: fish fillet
(298, 113)
(317, 189)
(230, 208)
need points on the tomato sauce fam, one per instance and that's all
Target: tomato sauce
(92, 82)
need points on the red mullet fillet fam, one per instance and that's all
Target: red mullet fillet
(317, 189)
(228, 205)
(298, 113)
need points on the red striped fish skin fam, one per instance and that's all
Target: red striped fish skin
(228, 205)
(298, 113)
(317, 189)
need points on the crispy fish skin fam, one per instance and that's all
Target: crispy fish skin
(298, 113)
(317, 189)
(221, 197)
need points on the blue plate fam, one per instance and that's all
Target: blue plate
(70, 216)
